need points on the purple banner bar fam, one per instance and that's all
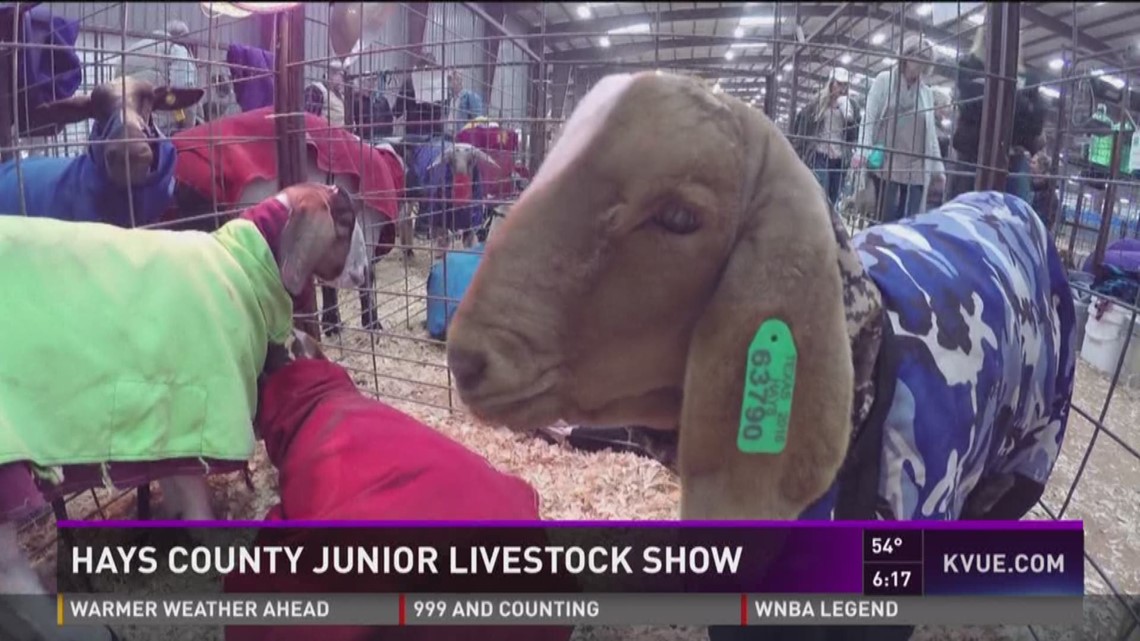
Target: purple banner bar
(601, 557)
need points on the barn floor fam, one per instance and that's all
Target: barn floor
(402, 366)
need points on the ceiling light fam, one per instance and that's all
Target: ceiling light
(949, 52)
(641, 27)
(845, 59)
(583, 11)
(746, 45)
(1114, 81)
(1050, 92)
(779, 77)
(788, 67)
(245, 9)
(604, 41)
(890, 62)
(729, 55)
(756, 21)
(924, 9)
(977, 18)
(738, 33)
(1124, 201)
(946, 122)
(878, 38)
(1056, 64)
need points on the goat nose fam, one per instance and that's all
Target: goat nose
(467, 366)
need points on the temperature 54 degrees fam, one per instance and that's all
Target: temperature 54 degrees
(892, 545)
(885, 546)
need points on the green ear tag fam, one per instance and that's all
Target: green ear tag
(769, 379)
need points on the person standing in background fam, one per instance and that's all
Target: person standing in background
(375, 114)
(834, 119)
(944, 120)
(326, 99)
(1028, 122)
(900, 118)
(167, 60)
(1045, 201)
(221, 102)
(466, 104)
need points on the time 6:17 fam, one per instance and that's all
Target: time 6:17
(891, 578)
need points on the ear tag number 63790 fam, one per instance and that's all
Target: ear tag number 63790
(769, 380)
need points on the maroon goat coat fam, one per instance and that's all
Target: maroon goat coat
(343, 456)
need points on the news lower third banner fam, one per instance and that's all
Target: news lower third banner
(560, 573)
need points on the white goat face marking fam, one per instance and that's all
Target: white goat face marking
(355, 273)
(587, 118)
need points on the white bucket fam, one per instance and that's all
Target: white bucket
(1104, 339)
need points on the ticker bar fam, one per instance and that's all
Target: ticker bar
(571, 609)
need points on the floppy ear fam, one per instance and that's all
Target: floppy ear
(306, 347)
(483, 157)
(175, 98)
(445, 156)
(63, 112)
(308, 234)
(783, 265)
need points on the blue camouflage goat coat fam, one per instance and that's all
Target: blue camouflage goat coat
(979, 334)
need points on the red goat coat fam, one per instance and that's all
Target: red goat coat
(343, 456)
(220, 158)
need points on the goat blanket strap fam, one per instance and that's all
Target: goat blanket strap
(128, 345)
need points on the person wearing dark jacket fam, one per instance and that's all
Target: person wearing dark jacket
(1045, 201)
(823, 130)
(1028, 122)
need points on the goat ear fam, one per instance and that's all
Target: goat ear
(307, 236)
(306, 347)
(483, 156)
(783, 265)
(64, 112)
(175, 98)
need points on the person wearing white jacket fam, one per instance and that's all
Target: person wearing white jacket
(900, 117)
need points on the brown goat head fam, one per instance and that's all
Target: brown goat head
(122, 111)
(322, 238)
(630, 278)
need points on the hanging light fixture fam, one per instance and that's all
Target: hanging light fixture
(246, 9)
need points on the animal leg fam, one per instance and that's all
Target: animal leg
(330, 314)
(468, 238)
(405, 231)
(187, 497)
(33, 617)
(369, 315)
(441, 242)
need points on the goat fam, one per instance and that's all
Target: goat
(447, 183)
(126, 175)
(105, 401)
(231, 162)
(629, 281)
(341, 455)
(704, 282)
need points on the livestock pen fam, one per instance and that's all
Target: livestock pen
(528, 64)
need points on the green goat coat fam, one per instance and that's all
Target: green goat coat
(133, 345)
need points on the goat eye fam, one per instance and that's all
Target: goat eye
(677, 220)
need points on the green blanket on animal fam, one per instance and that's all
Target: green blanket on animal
(133, 345)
